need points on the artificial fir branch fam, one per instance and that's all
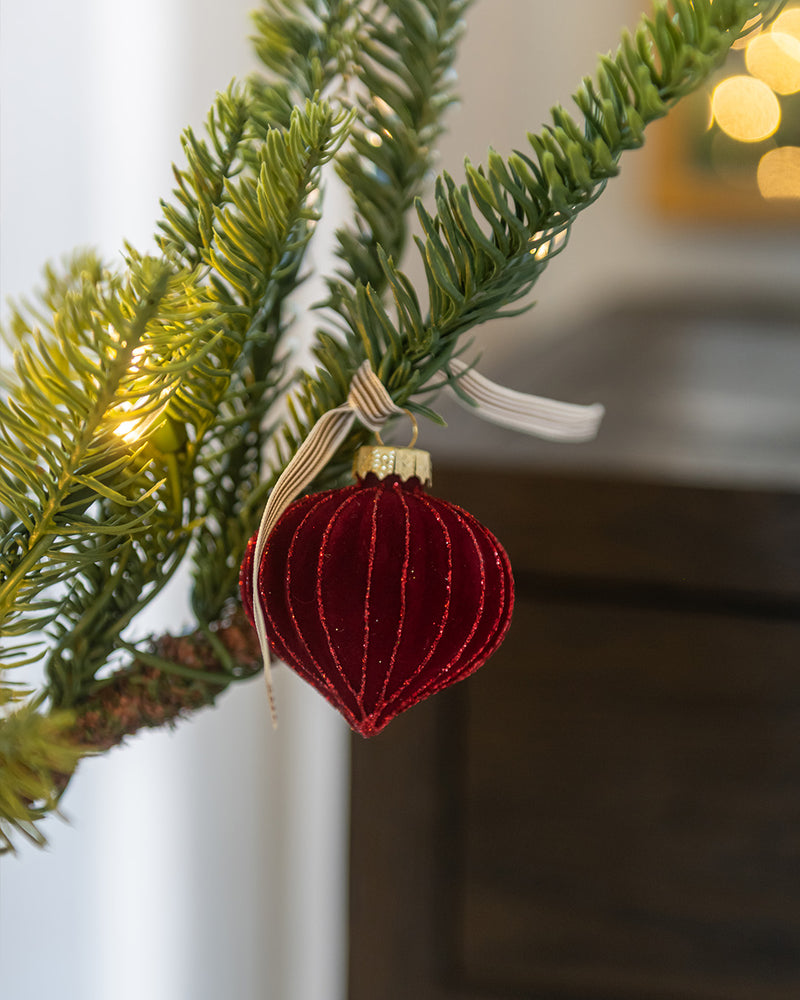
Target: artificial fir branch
(106, 535)
(186, 230)
(494, 234)
(75, 385)
(174, 676)
(306, 47)
(36, 752)
(405, 83)
(185, 347)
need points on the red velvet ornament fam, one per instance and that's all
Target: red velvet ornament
(380, 595)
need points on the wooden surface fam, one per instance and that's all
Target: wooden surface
(609, 809)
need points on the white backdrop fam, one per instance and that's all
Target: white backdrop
(208, 862)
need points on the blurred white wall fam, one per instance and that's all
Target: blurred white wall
(208, 862)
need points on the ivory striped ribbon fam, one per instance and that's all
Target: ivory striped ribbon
(369, 401)
(545, 418)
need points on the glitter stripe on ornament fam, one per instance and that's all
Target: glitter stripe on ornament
(403, 594)
(325, 554)
(331, 690)
(367, 621)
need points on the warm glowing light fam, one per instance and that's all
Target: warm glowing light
(709, 123)
(384, 108)
(779, 173)
(130, 430)
(788, 23)
(137, 356)
(542, 248)
(374, 139)
(745, 108)
(775, 58)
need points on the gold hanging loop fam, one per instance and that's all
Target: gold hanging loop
(414, 433)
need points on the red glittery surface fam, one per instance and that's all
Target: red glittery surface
(380, 595)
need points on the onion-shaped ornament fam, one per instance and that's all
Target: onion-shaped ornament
(379, 594)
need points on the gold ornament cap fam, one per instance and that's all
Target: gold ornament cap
(384, 460)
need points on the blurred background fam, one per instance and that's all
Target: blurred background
(213, 861)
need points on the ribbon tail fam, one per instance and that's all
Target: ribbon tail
(535, 415)
(311, 457)
(371, 403)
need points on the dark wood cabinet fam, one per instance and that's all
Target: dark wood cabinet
(610, 808)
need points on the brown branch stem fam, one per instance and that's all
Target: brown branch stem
(145, 696)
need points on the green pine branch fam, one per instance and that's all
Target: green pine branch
(36, 755)
(306, 47)
(493, 235)
(133, 426)
(270, 218)
(186, 230)
(217, 220)
(404, 85)
(97, 524)
(78, 382)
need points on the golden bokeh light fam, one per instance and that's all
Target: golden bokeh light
(779, 173)
(788, 23)
(774, 57)
(746, 108)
